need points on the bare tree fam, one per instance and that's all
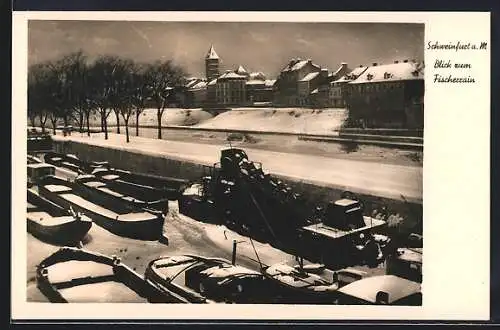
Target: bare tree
(123, 91)
(38, 94)
(101, 77)
(57, 93)
(140, 94)
(161, 78)
(75, 65)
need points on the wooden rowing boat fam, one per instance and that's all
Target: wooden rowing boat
(77, 275)
(148, 185)
(111, 213)
(53, 223)
(92, 185)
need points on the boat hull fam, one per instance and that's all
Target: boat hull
(70, 233)
(152, 186)
(122, 274)
(148, 229)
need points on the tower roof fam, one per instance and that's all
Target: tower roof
(212, 54)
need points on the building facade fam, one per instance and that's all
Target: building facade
(321, 97)
(387, 96)
(230, 89)
(337, 88)
(295, 83)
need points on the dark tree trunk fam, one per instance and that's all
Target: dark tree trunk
(159, 115)
(117, 114)
(81, 121)
(53, 120)
(126, 129)
(105, 128)
(87, 115)
(43, 120)
(137, 114)
(102, 123)
(65, 120)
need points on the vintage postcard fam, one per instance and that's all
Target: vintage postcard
(203, 165)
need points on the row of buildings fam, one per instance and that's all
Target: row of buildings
(379, 95)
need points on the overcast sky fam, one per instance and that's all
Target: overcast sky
(265, 47)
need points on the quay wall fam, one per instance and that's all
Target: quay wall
(404, 216)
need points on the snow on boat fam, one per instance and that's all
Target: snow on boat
(72, 162)
(149, 185)
(34, 160)
(196, 279)
(76, 275)
(113, 214)
(300, 287)
(53, 223)
(381, 290)
(38, 170)
(196, 202)
(92, 185)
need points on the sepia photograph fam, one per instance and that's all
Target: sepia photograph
(225, 162)
(262, 166)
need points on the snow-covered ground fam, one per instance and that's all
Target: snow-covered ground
(289, 120)
(173, 117)
(383, 180)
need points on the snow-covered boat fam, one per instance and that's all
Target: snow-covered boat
(197, 279)
(297, 286)
(381, 290)
(113, 214)
(73, 163)
(76, 275)
(148, 185)
(34, 160)
(53, 223)
(197, 203)
(90, 184)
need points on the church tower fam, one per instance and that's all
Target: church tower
(211, 64)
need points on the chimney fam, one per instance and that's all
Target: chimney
(309, 60)
(324, 73)
(374, 64)
(405, 61)
(361, 65)
(396, 62)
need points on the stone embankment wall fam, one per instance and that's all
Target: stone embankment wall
(402, 216)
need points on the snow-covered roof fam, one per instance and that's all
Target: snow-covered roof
(298, 64)
(342, 66)
(367, 288)
(391, 72)
(310, 76)
(352, 75)
(192, 82)
(212, 82)
(241, 70)
(199, 85)
(315, 91)
(212, 54)
(270, 82)
(231, 75)
(256, 82)
(257, 76)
